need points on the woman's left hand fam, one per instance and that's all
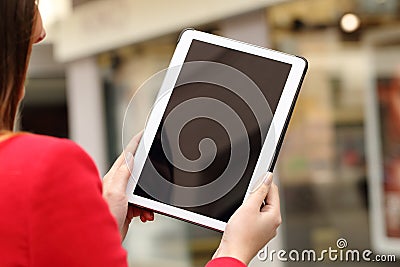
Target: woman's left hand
(114, 190)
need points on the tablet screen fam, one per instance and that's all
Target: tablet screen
(206, 139)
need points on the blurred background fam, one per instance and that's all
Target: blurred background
(339, 168)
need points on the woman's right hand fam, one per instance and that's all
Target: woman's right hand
(114, 189)
(251, 227)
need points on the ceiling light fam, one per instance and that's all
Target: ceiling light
(350, 22)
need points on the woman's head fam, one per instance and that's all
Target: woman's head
(20, 27)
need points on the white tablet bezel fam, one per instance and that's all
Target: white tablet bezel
(273, 140)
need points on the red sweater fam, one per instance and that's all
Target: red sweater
(53, 213)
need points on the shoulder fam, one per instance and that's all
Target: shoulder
(66, 209)
(56, 169)
(47, 159)
(44, 151)
(41, 144)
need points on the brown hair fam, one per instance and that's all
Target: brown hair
(17, 18)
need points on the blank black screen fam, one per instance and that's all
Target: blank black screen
(269, 75)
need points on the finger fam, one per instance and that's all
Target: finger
(257, 198)
(121, 177)
(152, 217)
(136, 211)
(132, 146)
(134, 143)
(272, 201)
(145, 215)
(118, 162)
(148, 215)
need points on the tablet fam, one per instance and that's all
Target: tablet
(217, 125)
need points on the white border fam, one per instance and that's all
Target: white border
(283, 110)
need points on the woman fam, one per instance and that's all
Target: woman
(53, 211)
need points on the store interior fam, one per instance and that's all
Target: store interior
(345, 119)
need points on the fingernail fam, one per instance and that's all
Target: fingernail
(268, 178)
(129, 158)
(259, 182)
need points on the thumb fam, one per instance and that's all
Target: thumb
(122, 175)
(134, 143)
(262, 187)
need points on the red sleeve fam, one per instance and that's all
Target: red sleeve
(70, 223)
(225, 261)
